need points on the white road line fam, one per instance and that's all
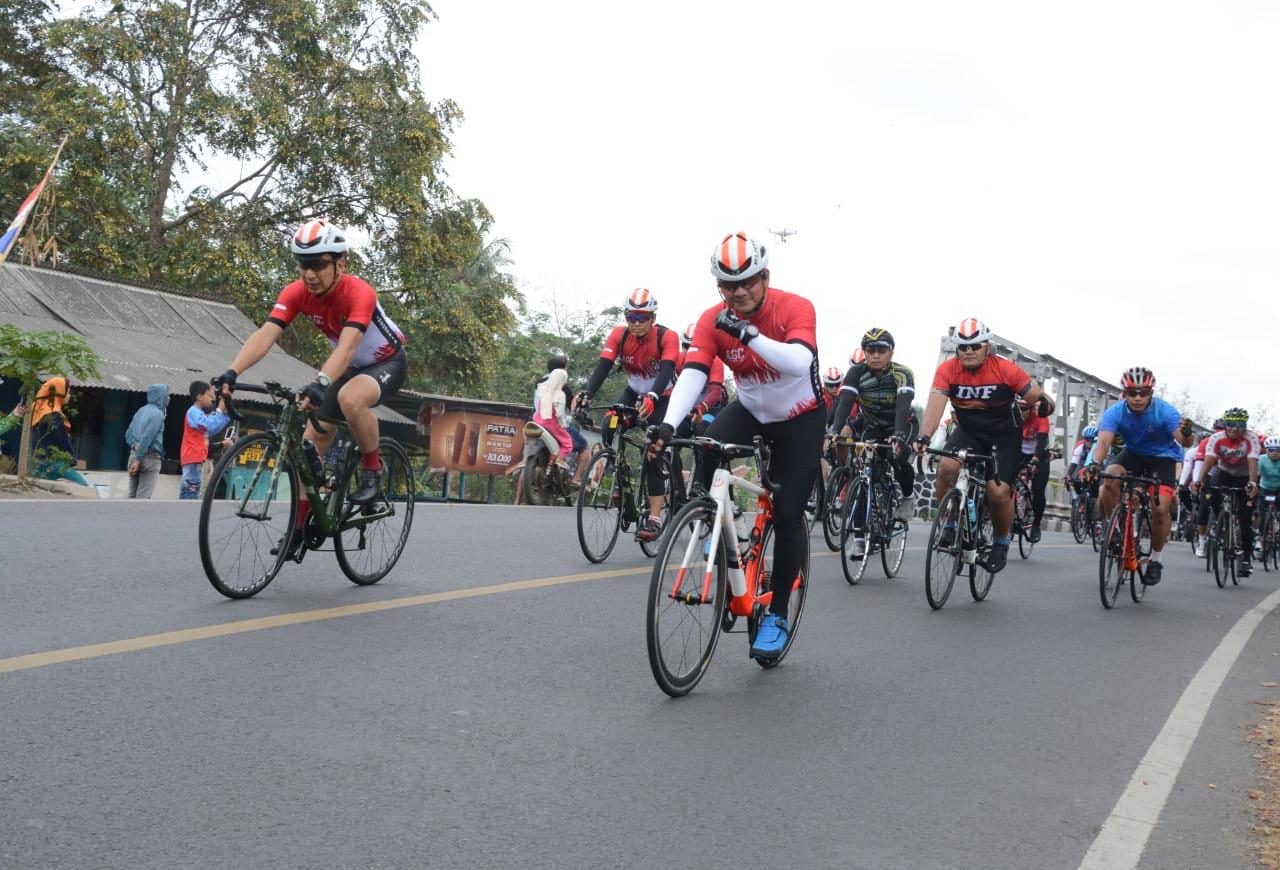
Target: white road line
(1120, 843)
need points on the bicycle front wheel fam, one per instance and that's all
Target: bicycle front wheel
(248, 512)
(687, 599)
(1221, 552)
(1023, 519)
(650, 547)
(370, 538)
(795, 605)
(1111, 570)
(599, 507)
(979, 577)
(1079, 519)
(855, 531)
(943, 562)
(833, 513)
(1137, 588)
(894, 548)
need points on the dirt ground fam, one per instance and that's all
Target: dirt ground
(1265, 738)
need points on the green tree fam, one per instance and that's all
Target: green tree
(27, 357)
(579, 334)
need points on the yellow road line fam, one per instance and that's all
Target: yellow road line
(186, 635)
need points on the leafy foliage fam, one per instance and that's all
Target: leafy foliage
(578, 334)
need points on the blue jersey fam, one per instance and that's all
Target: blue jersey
(1268, 473)
(1147, 434)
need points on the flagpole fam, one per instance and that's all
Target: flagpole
(10, 237)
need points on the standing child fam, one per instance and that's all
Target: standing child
(197, 428)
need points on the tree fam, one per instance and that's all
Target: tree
(30, 356)
(318, 104)
(579, 334)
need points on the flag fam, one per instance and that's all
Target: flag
(11, 235)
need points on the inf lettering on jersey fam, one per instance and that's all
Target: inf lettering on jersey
(964, 391)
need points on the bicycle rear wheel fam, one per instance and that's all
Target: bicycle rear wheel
(893, 550)
(943, 562)
(1092, 513)
(814, 509)
(599, 507)
(855, 531)
(249, 508)
(1137, 588)
(979, 577)
(1079, 519)
(370, 538)
(1023, 518)
(687, 600)
(795, 605)
(1222, 551)
(833, 514)
(1111, 571)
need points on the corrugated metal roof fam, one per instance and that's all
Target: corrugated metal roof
(143, 336)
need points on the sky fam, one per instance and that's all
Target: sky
(1099, 181)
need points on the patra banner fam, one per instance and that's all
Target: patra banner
(470, 441)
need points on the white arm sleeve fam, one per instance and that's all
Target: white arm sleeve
(684, 396)
(787, 357)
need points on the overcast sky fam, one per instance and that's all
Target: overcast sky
(1098, 181)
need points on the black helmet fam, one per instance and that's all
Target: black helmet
(876, 336)
(557, 360)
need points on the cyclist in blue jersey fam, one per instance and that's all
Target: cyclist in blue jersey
(1269, 467)
(1154, 434)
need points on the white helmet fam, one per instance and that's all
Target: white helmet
(641, 299)
(686, 337)
(738, 257)
(972, 331)
(318, 236)
(1272, 443)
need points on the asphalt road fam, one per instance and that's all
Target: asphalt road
(476, 724)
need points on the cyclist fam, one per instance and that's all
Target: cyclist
(1231, 462)
(1154, 434)
(768, 337)
(713, 398)
(831, 380)
(365, 368)
(884, 390)
(1269, 470)
(646, 351)
(1035, 446)
(1196, 455)
(1080, 453)
(981, 387)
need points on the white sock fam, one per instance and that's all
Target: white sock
(1156, 554)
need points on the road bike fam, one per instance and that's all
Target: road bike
(1084, 510)
(614, 493)
(703, 582)
(869, 522)
(249, 512)
(836, 489)
(1126, 539)
(964, 518)
(1024, 518)
(1225, 538)
(1269, 532)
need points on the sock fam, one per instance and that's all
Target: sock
(1156, 554)
(1001, 539)
(304, 508)
(371, 460)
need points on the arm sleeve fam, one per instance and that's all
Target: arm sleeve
(666, 375)
(685, 395)
(603, 367)
(902, 405)
(790, 358)
(844, 405)
(713, 396)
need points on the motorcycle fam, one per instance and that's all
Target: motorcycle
(545, 482)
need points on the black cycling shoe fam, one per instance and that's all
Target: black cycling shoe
(295, 544)
(997, 558)
(1034, 535)
(369, 488)
(1245, 568)
(1152, 575)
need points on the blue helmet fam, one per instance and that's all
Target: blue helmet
(1090, 432)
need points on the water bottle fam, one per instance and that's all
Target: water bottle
(314, 461)
(973, 512)
(740, 525)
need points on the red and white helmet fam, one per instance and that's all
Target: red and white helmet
(686, 337)
(833, 377)
(972, 331)
(738, 257)
(858, 356)
(318, 236)
(1138, 376)
(641, 299)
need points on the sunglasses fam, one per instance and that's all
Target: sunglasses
(313, 264)
(730, 286)
(879, 347)
(638, 317)
(1138, 393)
(965, 348)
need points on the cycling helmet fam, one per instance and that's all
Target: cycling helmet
(557, 360)
(833, 377)
(1272, 443)
(738, 257)
(859, 356)
(1235, 417)
(686, 337)
(318, 236)
(641, 299)
(1138, 376)
(972, 331)
(1090, 432)
(876, 336)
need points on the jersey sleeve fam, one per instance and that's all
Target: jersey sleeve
(802, 324)
(1109, 420)
(669, 347)
(706, 341)
(1015, 376)
(288, 303)
(361, 301)
(942, 378)
(612, 344)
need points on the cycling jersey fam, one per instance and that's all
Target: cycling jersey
(640, 358)
(1032, 430)
(1149, 433)
(769, 395)
(351, 302)
(982, 399)
(1204, 442)
(885, 397)
(1233, 454)
(713, 394)
(1268, 473)
(1190, 466)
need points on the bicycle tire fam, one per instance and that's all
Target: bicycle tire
(854, 565)
(833, 513)
(942, 563)
(650, 548)
(1221, 551)
(1023, 518)
(1093, 528)
(369, 539)
(813, 511)
(980, 578)
(795, 605)
(894, 550)
(225, 537)
(1137, 586)
(1233, 564)
(667, 615)
(599, 507)
(1079, 509)
(1111, 570)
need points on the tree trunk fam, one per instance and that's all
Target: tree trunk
(24, 448)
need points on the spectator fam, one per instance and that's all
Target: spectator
(197, 428)
(145, 437)
(51, 449)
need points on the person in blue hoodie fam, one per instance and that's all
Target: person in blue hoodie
(145, 437)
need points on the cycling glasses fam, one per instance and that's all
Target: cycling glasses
(884, 347)
(1137, 392)
(730, 286)
(968, 347)
(638, 316)
(313, 264)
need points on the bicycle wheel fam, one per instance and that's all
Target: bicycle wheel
(1137, 588)
(1079, 519)
(687, 599)
(370, 538)
(943, 562)
(1111, 570)
(855, 531)
(813, 509)
(1023, 518)
(599, 507)
(1232, 553)
(795, 605)
(1094, 540)
(833, 512)
(893, 550)
(1222, 551)
(979, 577)
(249, 508)
(650, 548)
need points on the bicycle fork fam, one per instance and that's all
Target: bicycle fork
(741, 600)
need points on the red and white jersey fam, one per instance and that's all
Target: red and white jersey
(641, 357)
(351, 302)
(1032, 429)
(1233, 454)
(767, 394)
(983, 398)
(716, 375)
(1204, 442)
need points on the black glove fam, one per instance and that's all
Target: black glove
(899, 444)
(1045, 406)
(227, 378)
(920, 444)
(658, 437)
(727, 321)
(313, 392)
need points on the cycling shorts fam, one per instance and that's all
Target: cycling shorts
(388, 375)
(1161, 468)
(1005, 446)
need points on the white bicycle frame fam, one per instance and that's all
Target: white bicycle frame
(721, 484)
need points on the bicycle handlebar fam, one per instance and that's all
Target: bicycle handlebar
(963, 455)
(757, 448)
(1147, 481)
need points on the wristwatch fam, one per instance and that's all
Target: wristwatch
(323, 380)
(749, 331)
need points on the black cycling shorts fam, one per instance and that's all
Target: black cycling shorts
(389, 375)
(1161, 468)
(1005, 446)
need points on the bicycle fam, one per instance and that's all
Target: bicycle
(870, 509)
(1126, 547)
(964, 509)
(702, 582)
(1269, 532)
(1024, 518)
(1225, 537)
(837, 489)
(608, 499)
(1083, 508)
(250, 506)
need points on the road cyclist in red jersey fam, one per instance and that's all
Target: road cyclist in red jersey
(767, 337)
(1231, 462)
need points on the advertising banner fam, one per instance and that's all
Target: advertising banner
(471, 441)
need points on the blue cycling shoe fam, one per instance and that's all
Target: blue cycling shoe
(771, 637)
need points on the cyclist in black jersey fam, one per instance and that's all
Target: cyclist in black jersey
(884, 389)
